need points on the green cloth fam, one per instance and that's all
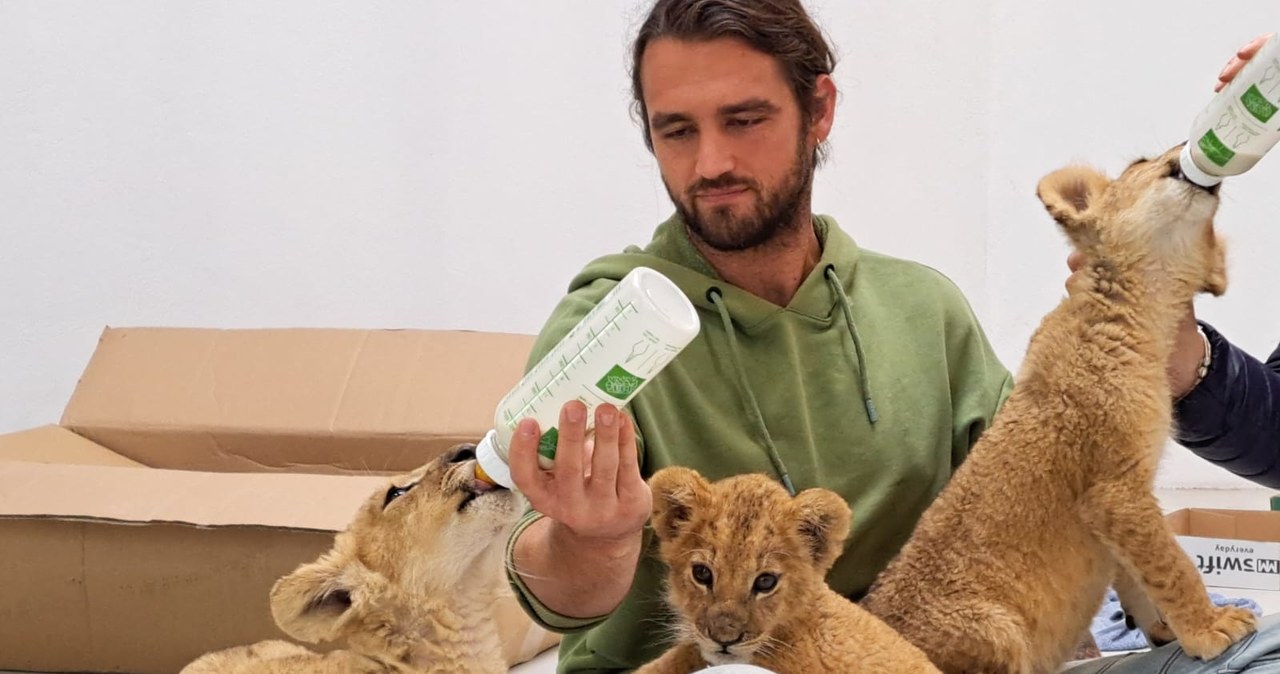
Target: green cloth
(933, 377)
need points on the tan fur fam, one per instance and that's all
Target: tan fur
(408, 587)
(1006, 568)
(740, 529)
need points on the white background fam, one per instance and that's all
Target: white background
(449, 164)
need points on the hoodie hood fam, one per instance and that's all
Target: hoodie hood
(672, 254)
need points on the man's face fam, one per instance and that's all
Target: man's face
(730, 139)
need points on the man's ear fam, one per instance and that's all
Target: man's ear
(317, 600)
(1070, 195)
(823, 520)
(678, 492)
(822, 112)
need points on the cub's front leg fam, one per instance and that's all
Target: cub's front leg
(1139, 608)
(682, 658)
(1127, 518)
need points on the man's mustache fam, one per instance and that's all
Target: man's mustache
(724, 182)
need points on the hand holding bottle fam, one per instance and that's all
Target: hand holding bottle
(595, 488)
(1240, 59)
(1242, 122)
(580, 558)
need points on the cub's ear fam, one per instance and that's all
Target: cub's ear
(678, 492)
(1070, 195)
(315, 602)
(823, 520)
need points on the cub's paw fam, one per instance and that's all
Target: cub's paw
(1229, 625)
(1159, 633)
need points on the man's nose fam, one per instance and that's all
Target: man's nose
(715, 156)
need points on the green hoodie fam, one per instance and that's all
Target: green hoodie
(873, 382)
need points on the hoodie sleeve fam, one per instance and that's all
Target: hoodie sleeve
(1232, 418)
(980, 383)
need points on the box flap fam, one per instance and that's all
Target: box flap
(139, 495)
(1245, 525)
(313, 400)
(55, 444)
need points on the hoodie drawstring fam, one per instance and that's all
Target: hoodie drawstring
(753, 408)
(834, 281)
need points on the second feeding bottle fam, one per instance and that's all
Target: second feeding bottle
(1240, 124)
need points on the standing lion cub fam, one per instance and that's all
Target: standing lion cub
(747, 567)
(409, 585)
(1006, 568)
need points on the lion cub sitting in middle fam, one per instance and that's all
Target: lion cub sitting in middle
(747, 574)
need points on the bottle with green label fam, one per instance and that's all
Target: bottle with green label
(1240, 124)
(614, 351)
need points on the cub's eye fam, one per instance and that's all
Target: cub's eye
(702, 575)
(394, 493)
(765, 582)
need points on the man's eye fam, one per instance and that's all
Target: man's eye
(743, 122)
(677, 134)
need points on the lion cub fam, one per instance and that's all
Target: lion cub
(747, 574)
(1006, 568)
(409, 585)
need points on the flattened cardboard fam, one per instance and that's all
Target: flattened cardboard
(55, 444)
(142, 495)
(297, 400)
(1231, 548)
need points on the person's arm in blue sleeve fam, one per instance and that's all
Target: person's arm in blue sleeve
(1232, 417)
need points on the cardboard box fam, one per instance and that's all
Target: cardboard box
(193, 468)
(1232, 548)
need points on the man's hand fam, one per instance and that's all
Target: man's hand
(1237, 62)
(594, 489)
(580, 559)
(1188, 347)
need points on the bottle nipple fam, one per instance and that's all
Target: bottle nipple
(484, 477)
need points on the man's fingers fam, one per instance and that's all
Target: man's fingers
(604, 458)
(1250, 50)
(1242, 56)
(569, 444)
(628, 455)
(522, 459)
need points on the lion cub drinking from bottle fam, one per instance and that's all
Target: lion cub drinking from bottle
(409, 586)
(1005, 570)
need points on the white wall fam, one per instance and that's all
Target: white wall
(452, 164)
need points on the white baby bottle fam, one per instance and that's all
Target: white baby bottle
(1240, 124)
(613, 352)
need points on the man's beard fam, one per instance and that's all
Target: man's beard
(775, 212)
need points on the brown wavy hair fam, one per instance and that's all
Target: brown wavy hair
(780, 28)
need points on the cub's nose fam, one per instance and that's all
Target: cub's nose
(461, 453)
(725, 642)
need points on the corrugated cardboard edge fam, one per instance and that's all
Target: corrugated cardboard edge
(140, 495)
(55, 444)
(301, 399)
(1246, 525)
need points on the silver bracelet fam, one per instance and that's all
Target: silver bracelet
(1203, 370)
